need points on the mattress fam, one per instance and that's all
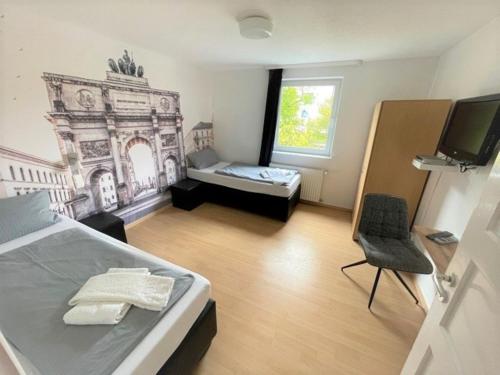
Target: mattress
(153, 351)
(208, 175)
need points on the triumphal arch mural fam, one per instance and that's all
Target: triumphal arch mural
(121, 139)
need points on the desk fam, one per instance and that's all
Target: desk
(440, 254)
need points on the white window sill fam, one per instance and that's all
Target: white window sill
(302, 155)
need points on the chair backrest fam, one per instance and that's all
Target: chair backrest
(384, 216)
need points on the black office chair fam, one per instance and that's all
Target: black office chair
(385, 238)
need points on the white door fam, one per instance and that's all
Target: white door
(461, 335)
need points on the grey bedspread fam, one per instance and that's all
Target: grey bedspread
(257, 173)
(36, 282)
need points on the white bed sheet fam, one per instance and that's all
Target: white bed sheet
(154, 350)
(208, 175)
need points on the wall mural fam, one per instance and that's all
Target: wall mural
(121, 143)
(201, 136)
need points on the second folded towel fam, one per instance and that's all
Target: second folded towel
(96, 313)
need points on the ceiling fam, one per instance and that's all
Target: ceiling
(305, 31)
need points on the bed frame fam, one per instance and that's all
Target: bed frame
(280, 208)
(194, 346)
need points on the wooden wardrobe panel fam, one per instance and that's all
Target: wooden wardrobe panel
(404, 129)
(366, 161)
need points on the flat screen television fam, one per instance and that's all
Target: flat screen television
(473, 130)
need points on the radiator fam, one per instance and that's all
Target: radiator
(312, 181)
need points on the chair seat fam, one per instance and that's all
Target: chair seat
(395, 254)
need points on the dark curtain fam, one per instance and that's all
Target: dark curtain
(271, 116)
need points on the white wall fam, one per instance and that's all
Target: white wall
(471, 68)
(31, 44)
(239, 104)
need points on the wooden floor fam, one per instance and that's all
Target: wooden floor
(283, 305)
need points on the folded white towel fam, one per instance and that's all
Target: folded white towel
(101, 312)
(96, 313)
(149, 292)
(278, 176)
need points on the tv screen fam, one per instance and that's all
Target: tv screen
(473, 130)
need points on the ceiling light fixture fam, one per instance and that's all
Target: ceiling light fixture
(256, 27)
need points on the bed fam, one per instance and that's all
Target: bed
(176, 342)
(274, 200)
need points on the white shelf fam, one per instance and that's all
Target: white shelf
(435, 167)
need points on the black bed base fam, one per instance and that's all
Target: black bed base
(194, 346)
(280, 208)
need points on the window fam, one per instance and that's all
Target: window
(307, 116)
(31, 175)
(38, 176)
(12, 173)
(22, 174)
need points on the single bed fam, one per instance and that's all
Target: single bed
(182, 335)
(208, 175)
(273, 200)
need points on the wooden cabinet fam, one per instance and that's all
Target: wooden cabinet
(400, 130)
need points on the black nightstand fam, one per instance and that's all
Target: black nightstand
(187, 194)
(107, 223)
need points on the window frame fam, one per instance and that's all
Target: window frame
(302, 151)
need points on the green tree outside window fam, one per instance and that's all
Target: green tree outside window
(305, 116)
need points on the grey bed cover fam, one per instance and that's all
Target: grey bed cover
(258, 173)
(36, 282)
